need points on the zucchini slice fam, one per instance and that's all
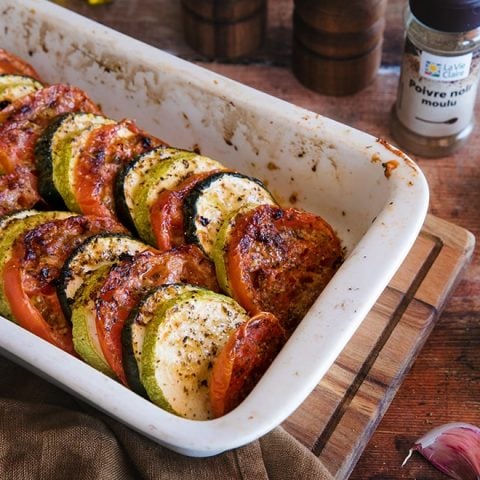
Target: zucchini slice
(16, 86)
(152, 173)
(214, 199)
(56, 152)
(133, 333)
(130, 179)
(84, 327)
(220, 247)
(95, 252)
(6, 220)
(11, 227)
(181, 343)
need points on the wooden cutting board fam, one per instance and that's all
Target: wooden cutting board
(340, 415)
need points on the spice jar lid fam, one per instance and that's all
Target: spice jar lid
(447, 15)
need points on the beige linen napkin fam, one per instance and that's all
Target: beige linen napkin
(47, 434)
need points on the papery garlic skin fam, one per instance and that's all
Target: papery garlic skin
(453, 448)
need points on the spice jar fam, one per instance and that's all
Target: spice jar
(433, 114)
(224, 29)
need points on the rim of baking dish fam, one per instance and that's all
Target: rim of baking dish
(319, 338)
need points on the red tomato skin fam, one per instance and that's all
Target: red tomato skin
(11, 64)
(279, 260)
(34, 266)
(103, 155)
(24, 120)
(246, 356)
(131, 279)
(166, 213)
(18, 190)
(25, 312)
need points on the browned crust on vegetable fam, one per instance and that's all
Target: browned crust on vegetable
(45, 249)
(11, 64)
(248, 353)
(18, 191)
(280, 260)
(128, 281)
(23, 121)
(102, 157)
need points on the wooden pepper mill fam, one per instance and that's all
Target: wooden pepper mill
(224, 29)
(337, 44)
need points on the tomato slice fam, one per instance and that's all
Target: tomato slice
(18, 190)
(55, 330)
(246, 356)
(23, 121)
(31, 273)
(166, 213)
(279, 260)
(106, 150)
(128, 281)
(11, 64)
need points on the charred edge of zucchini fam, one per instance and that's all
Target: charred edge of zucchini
(159, 296)
(121, 207)
(189, 204)
(44, 163)
(130, 366)
(66, 274)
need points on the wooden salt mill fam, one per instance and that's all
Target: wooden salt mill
(224, 29)
(337, 44)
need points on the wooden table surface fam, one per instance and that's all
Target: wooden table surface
(444, 384)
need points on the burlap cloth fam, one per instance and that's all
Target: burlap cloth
(48, 434)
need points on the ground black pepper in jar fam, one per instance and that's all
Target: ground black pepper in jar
(433, 114)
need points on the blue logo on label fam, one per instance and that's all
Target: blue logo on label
(432, 69)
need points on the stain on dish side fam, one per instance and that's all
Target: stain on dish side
(389, 167)
(408, 161)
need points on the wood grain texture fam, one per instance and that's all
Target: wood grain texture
(444, 382)
(338, 419)
(159, 23)
(340, 16)
(335, 76)
(224, 30)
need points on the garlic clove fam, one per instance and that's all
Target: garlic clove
(453, 448)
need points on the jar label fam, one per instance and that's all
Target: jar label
(445, 69)
(429, 102)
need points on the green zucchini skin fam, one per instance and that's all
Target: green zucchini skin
(182, 341)
(121, 189)
(95, 252)
(84, 332)
(55, 159)
(203, 229)
(141, 181)
(12, 227)
(43, 159)
(130, 365)
(166, 175)
(6, 220)
(220, 248)
(134, 329)
(14, 86)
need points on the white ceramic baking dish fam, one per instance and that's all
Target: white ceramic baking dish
(311, 161)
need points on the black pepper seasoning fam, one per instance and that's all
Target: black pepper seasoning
(433, 115)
